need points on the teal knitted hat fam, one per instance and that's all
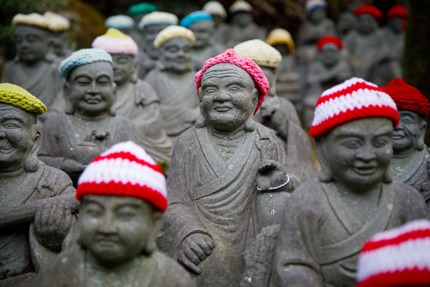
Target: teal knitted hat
(193, 17)
(83, 57)
(141, 8)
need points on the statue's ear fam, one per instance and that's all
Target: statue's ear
(421, 136)
(135, 75)
(31, 163)
(325, 174)
(157, 219)
(68, 109)
(255, 97)
(200, 93)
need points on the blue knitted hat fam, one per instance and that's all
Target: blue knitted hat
(193, 17)
(83, 57)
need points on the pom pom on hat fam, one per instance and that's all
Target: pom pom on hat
(33, 19)
(124, 170)
(353, 99)
(158, 18)
(215, 8)
(260, 52)
(116, 42)
(368, 9)
(329, 40)
(396, 257)
(119, 22)
(194, 17)
(408, 97)
(16, 96)
(311, 5)
(171, 32)
(83, 57)
(397, 11)
(281, 36)
(57, 22)
(240, 6)
(141, 8)
(243, 62)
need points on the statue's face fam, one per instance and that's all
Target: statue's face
(358, 153)
(366, 24)
(123, 68)
(176, 55)
(16, 137)
(203, 31)
(31, 43)
(318, 15)
(329, 55)
(91, 89)
(406, 136)
(228, 97)
(148, 35)
(242, 19)
(59, 44)
(396, 25)
(115, 229)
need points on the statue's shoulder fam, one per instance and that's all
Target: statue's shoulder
(54, 179)
(187, 139)
(264, 132)
(145, 93)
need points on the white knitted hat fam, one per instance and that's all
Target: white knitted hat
(158, 18)
(260, 52)
(215, 8)
(57, 22)
(171, 32)
(119, 22)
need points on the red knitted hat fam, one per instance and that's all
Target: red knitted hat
(408, 97)
(329, 40)
(124, 170)
(397, 11)
(230, 57)
(397, 257)
(353, 99)
(368, 9)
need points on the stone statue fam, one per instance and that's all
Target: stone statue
(347, 21)
(60, 27)
(411, 158)
(32, 69)
(88, 126)
(150, 26)
(328, 219)
(328, 70)
(135, 98)
(36, 201)
(173, 80)
(202, 26)
(122, 198)
(242, 25)
(229, 176)
(278, 113)
(219, 16)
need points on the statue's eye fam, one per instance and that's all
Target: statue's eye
(352, 144)
(12, 124)
(381, 142)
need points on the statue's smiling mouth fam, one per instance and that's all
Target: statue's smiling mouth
(222, 108)
(365, 169)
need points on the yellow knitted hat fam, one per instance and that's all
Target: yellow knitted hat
(57, 22)
(14, 95)
(173, 31)
(33, 19)
(280, 36)
(260, 52)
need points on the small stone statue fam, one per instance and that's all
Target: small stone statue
(36, 201)
(122, 196)
(411, 158)
(60, 27)
(229, 175)
(173, 80)
(150, 26)
(88, 126)
(125, 24)
(328, 219)
(219, 16)
(202, 26)
(135, 98)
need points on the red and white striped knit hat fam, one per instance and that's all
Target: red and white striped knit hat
(397, 257)
(124, 170)
(353, 99)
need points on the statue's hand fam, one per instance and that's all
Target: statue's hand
(194, 249)
(71, 166)
(52, 222)
(271, 174)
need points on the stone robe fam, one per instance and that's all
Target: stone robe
(210, 195)
(320, 238)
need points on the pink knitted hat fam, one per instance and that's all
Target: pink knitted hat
(243, 62)
(116, 42)
(397, 257)
(353, 99)
(124, 170)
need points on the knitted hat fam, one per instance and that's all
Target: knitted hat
(353, 99)
(141, 8)
(33, 19)
(260, 52)
(194, 17)
(311, 5)
(397, 11)
(240, 6)
(116, 42)
(215, 8)
(329, 40)
(171, 32)
(408, 97)
(243, 62)
(281, 36)
(368, 9)
(57, 22)
(119, 22)
(16, 96)
(397, 257)
(83, 57)
(158, 18)
(124, 170)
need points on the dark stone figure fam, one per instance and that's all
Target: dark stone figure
(219, 16)
(122, 198)
(328, 219)
(35, 200)
(59, 27)
(228, 176)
